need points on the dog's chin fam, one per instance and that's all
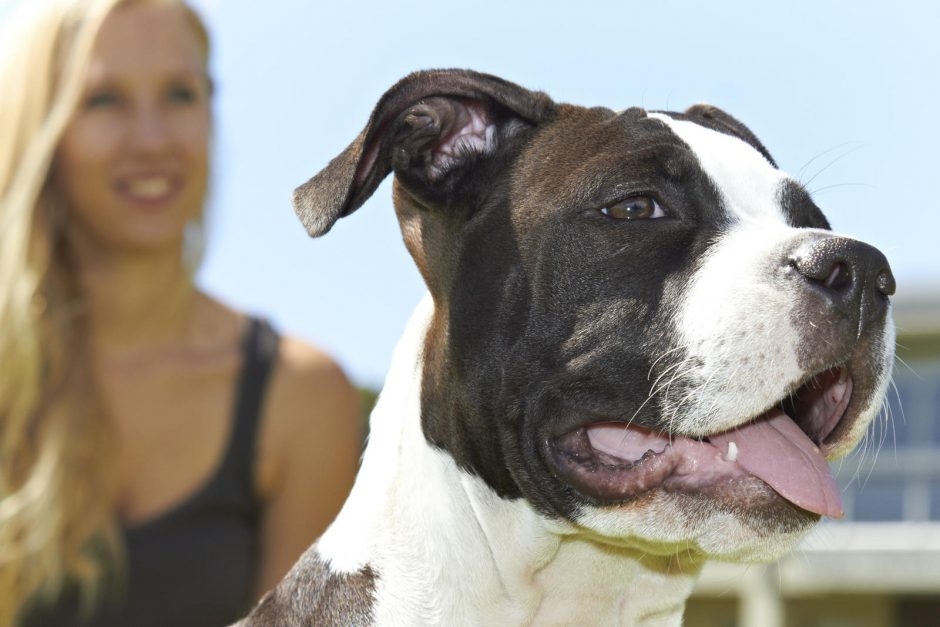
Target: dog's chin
(707, 524)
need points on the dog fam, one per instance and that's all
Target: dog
(640, 346)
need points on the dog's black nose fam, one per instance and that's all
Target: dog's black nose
(852, 276)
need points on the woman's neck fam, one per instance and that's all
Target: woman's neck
(138, 301)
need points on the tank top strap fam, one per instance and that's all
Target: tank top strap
(259, 350)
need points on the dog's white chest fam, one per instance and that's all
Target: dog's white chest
(592, 584)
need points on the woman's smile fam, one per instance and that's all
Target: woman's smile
(152, 190)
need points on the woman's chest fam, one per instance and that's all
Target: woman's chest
(172, 426)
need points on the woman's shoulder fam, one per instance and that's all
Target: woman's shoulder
(311, 410)
(307, 454)
(301, 369)
(309, 406)
(307, 381)
(300, 361)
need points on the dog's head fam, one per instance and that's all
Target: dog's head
(641, 325)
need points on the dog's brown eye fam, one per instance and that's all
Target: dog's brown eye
(635, 208)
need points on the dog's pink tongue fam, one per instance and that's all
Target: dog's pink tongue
(777, 451)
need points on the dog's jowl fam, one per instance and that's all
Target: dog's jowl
(642, 343)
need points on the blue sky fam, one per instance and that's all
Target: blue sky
(845, 94)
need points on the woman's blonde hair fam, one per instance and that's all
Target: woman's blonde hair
(56, 445)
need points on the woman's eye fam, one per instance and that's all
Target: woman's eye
(635, 208)
(182, 94)
(101, 100)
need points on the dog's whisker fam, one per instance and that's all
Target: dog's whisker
(674, 369)
(908, 366)
(819, 155)
(696, 393)
(826, 188)
(654, 391)
(661, 357)
(830, 164)
(676, 372)
(675, 376)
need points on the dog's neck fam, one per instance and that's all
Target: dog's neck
(447, 550)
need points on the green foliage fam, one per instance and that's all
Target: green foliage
(367, 399)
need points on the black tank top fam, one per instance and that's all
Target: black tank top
(195, 565)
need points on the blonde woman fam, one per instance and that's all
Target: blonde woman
(163, 458)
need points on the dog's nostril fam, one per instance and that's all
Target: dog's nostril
(833, 273)
(885, 282)
(839, 277)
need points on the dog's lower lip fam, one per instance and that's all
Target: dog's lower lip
(606, 476)
(626, 444)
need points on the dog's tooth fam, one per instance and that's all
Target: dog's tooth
(732, 452)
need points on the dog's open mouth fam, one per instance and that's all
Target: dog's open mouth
(784, 447)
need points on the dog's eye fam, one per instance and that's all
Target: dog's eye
(635, 208)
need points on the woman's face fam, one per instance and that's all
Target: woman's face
(133, 162)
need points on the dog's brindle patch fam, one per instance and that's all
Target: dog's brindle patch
(311, 594)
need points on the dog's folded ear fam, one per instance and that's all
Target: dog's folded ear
(429, 128)
(716, 119)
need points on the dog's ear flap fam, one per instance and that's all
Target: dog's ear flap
(716, 119)
(427, 127)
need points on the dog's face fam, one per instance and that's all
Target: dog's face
(642, 326)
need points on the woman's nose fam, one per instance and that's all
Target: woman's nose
(150, 129)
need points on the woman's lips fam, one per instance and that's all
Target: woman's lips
(150, 189)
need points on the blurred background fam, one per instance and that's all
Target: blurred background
(844, 95)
